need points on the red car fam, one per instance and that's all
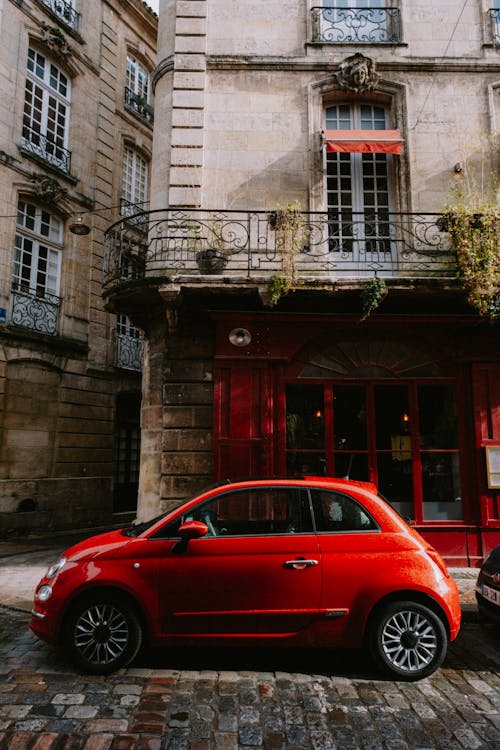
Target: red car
(294, 562)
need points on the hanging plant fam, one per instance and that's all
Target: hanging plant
(290, 231)
(372, 293)
(473, 224)
(477, 247)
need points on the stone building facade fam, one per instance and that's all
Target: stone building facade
(76, 118)
(298, 287)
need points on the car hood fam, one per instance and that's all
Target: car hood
(108, 544)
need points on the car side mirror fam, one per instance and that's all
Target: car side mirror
(192, 530)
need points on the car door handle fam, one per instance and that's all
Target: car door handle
(300, 564)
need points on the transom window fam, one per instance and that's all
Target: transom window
(46, 111)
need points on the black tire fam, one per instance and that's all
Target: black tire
(408, 640)
(102, 633)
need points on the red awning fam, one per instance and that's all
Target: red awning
(364, 141)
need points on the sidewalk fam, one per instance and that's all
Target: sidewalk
(24, 561)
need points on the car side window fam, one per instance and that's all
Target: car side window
(335, 511)
(256, 511)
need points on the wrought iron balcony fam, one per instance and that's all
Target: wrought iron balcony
(43, 147)
(495, 26)
(134, 214)
(128, 351)
(65, 12)
(253, 245)
(34, 310)
(139, 105)
(352, 25)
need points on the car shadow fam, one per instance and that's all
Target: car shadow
(321, 662)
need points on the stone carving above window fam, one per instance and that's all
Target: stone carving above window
(47, 189)
(55, 40)
(357, 73)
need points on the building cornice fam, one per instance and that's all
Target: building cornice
(301, 64)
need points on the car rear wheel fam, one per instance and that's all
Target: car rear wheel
(102, 633)
(408, 640)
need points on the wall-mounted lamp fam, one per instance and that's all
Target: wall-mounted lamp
(240, 337)
(78, 226)
(458, 168)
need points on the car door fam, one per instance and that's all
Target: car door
(257, 571)
(354, 554)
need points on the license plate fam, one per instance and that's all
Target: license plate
(491, 595)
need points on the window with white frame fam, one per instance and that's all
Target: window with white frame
(37, 253)
(129, 344)
(134, 182)
(138, 89)
(46, 111)
(358, 189)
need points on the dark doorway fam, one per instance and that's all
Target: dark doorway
(127, 446)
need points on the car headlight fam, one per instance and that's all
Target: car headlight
(55, 568)
(44, 593)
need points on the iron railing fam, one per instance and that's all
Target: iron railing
(254, 245)
(495, 26)
(65, 12)
(34, 310)
(51, 152)
(128, 351)
(139, 105)
(134, 214)
(351, 25)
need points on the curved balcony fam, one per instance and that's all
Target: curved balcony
(252, 246)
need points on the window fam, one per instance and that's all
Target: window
(348, 21)
(129, 344)
(334, 511)
(359, 192)
(46, 111)
(495, 22)
(401, 436)
(257, 511)
(37, 268)
(137, 89)
(134, 185)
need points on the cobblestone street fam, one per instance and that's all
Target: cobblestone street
(198, 700)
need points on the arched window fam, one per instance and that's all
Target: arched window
(46, 111)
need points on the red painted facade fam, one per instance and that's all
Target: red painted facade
(419, 360)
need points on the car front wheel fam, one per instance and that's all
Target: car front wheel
(408, 640)
(102, 634)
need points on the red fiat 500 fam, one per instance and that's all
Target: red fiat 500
(299, 562)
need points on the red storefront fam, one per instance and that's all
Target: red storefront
(412, 404)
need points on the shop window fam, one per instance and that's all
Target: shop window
(46, 112)
(392, 424)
